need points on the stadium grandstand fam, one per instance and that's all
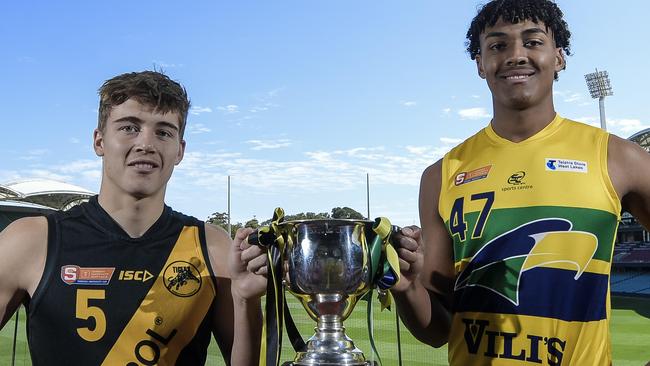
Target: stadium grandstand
(37, 197)
(631, 262)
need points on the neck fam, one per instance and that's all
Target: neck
(519, 125)
(134, 215)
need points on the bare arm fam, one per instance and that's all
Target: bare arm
(238, 318)
(628, 166)
(23, 248)
(423, 298)
(223, 317)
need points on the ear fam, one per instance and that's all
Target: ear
(479, 66)
(181, 152)
(98, 142)
(560, 61)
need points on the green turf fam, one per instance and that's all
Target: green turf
(630, 328)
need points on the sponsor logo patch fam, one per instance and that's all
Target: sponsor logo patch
(566, 165)
(143, 276)
(182, 279)
(516, 182)
(476, 174)
(75, 275)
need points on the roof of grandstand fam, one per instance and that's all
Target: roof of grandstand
(642, 138)
(44, 192)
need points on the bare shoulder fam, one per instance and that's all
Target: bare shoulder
(23, 248)
(218, 243)
(628, 165)
(430, 182)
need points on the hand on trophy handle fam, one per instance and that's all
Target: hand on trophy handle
(247, 266)
(408, 243)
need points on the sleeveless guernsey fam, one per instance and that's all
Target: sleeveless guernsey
(533, 225)
(108, 299)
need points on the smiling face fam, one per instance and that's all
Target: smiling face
(519, 62)
(140, 148)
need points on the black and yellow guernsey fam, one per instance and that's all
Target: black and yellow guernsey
(108, 299)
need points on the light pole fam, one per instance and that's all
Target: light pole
(599, 87)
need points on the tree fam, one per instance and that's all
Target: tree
(346, 213)
(219, 219)
(252, 223)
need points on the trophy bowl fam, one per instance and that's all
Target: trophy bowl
(328, 271)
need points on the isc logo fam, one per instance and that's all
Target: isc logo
(143, 276)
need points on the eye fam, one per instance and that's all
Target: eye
(129, 128)
(533, 43)
(164, 133)
(497, 46)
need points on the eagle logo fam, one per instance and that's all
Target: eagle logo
(499, 264)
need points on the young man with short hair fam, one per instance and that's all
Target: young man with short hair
(124, 279)
(512, 264)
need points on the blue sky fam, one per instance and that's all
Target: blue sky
(295, 100)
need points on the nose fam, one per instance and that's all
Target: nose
(144, 143)
(518, 56)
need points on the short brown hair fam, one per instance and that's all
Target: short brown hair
(147, 87)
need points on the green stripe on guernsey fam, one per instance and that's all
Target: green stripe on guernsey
(600, 223)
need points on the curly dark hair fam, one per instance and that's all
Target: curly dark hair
(515, 11)
(147, 87)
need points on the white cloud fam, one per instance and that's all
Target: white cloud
(164, 64)
(450, 140)
(474, 113)
(196, 110)
(446, 110)
(628, 126)
(79, 166)
(73, 140)
(196, 128)
(264, 145)
(229, 109)
(569, 96)
(408, 103)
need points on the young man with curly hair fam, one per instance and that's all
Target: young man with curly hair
(512, 264)
(123, 279)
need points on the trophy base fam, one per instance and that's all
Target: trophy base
(367, 363)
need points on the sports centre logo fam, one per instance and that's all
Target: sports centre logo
(182, 279)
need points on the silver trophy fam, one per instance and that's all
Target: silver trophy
(328, 271)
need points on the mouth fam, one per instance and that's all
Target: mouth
(517, 75)
(143, 164)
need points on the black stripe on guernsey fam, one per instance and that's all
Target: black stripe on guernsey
(543, 292)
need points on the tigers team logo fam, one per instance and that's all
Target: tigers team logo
(182, 279)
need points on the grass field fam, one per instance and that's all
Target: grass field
(630, 337)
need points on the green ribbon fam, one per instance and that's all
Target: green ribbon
(384, 269)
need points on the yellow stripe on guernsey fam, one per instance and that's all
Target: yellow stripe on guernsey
(150, 337)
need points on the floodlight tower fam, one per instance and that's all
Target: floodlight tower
(599, 87)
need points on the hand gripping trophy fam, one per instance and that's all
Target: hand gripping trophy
(330, 264)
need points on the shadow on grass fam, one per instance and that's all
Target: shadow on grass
(640, 304)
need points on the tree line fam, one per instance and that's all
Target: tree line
(221, 218)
